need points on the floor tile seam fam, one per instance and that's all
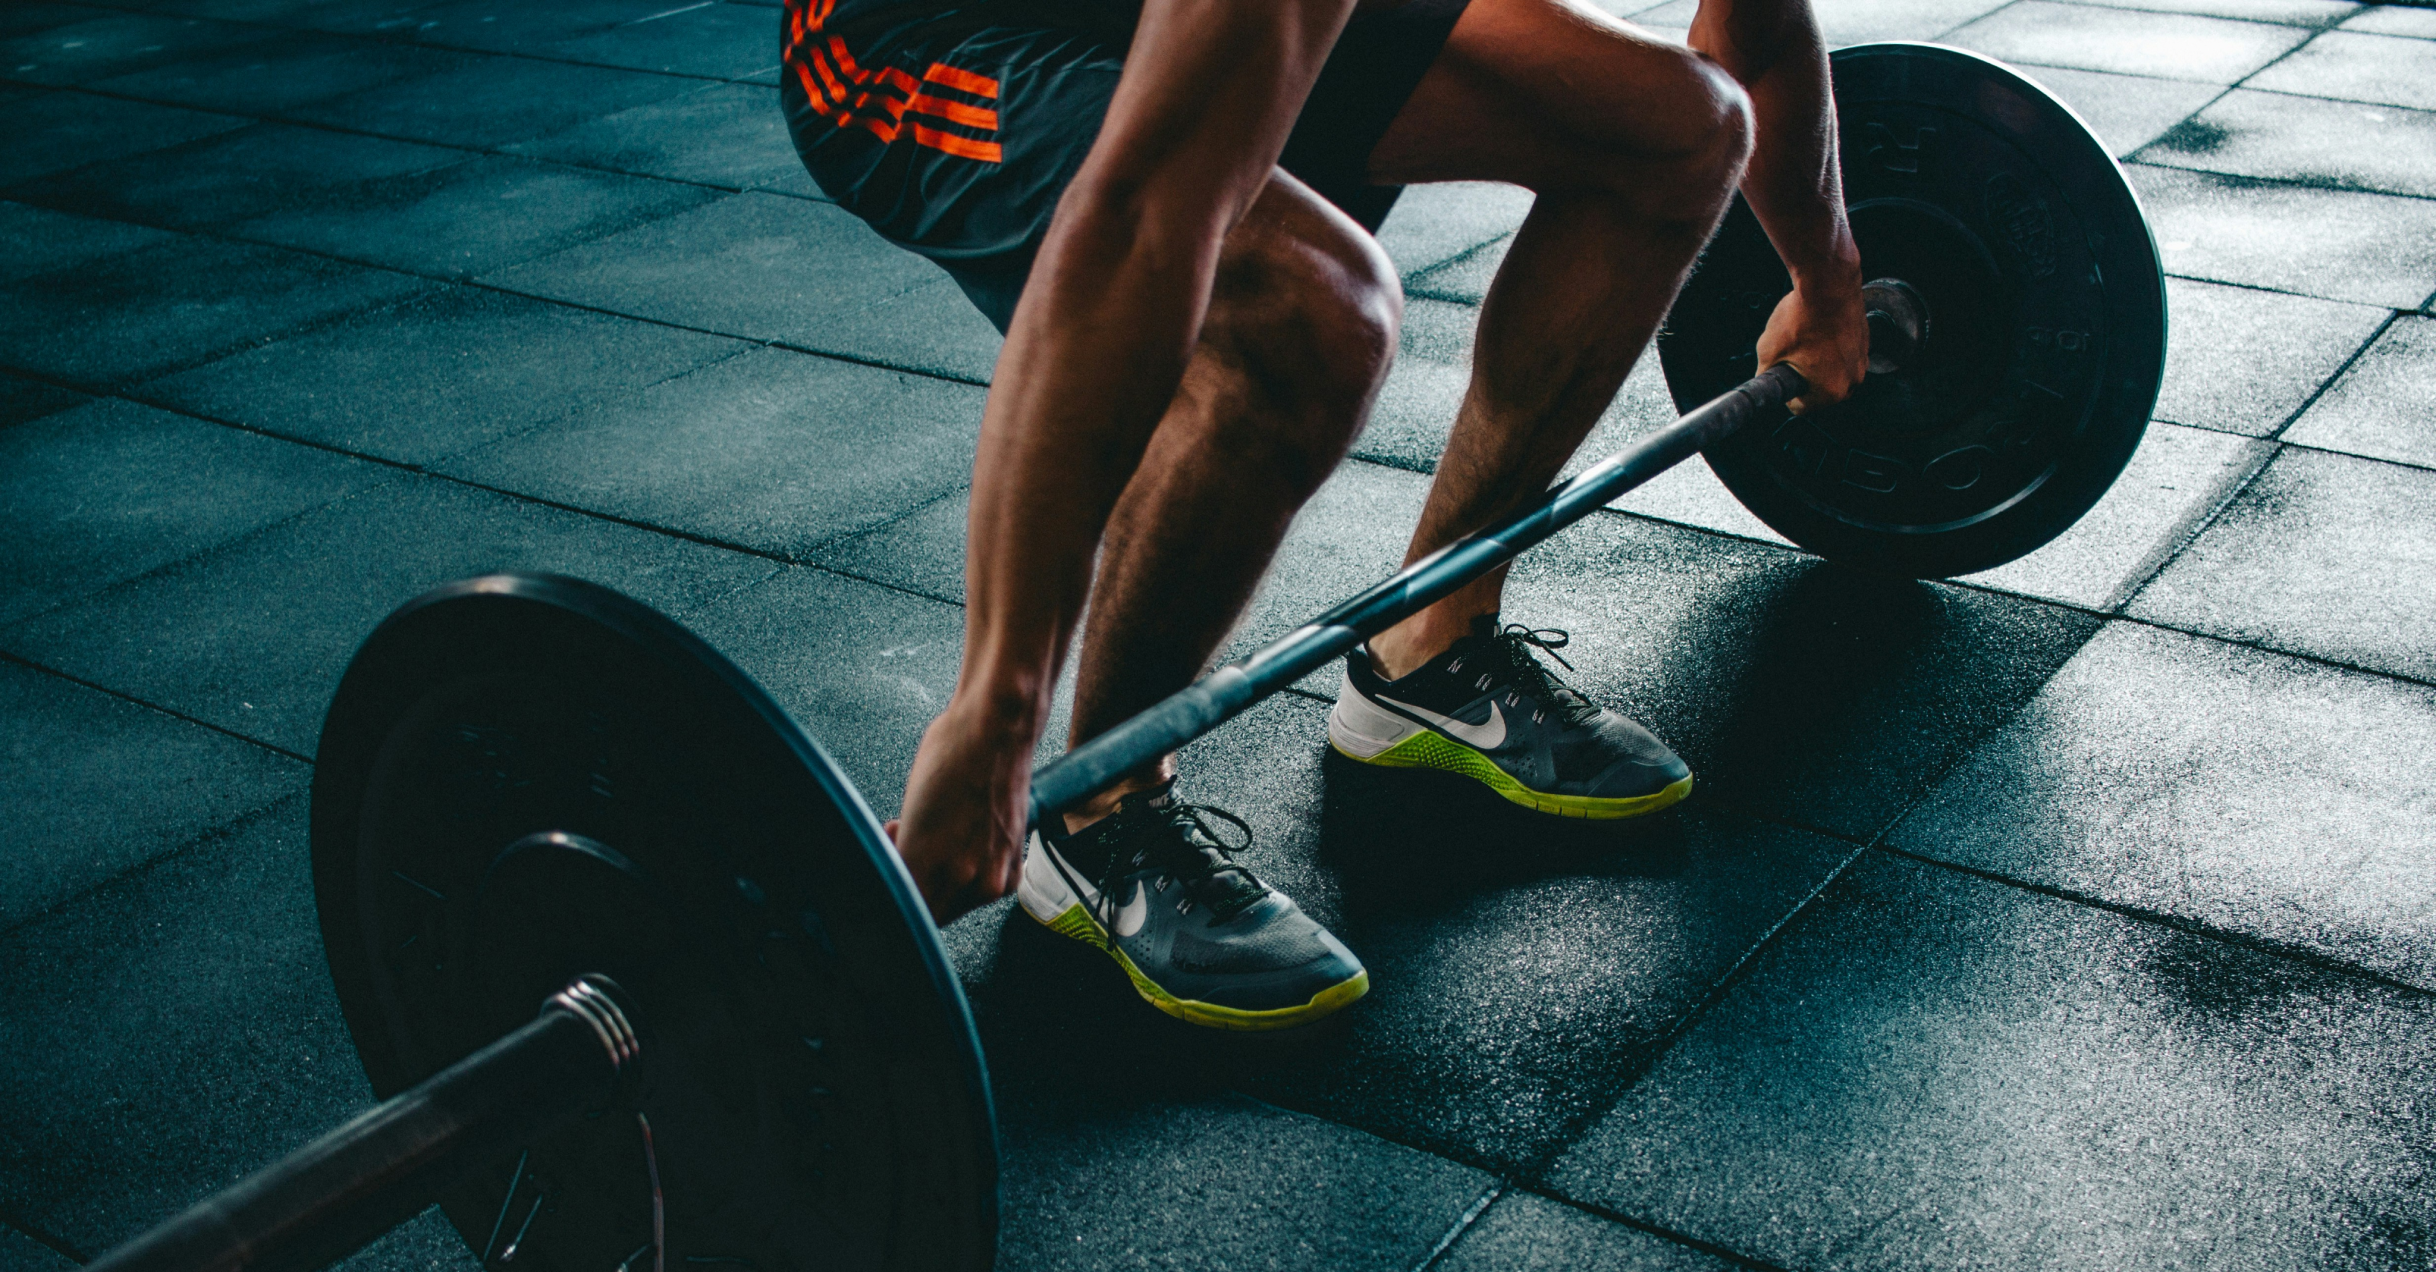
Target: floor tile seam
(11, 1217)
(362, 37)
(2289, 95)
(291, 121)
(2327, 384)
(197, 843)
(1533, 1173)
(2285, 183)
(2283, 950)
(1625, 1219)
(1462, 1224)
(2155, 561)
(30, 664)
(2199, 526)
(2219, 17)
(1419, 275)
(1942, 36)
(2271, 291)
(398, 472)
(2297, 183)
(2261, 647)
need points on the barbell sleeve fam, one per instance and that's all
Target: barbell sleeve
(333, 1196)
(1218, 697)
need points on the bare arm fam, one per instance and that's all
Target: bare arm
(1096, 350)
(1774, 48)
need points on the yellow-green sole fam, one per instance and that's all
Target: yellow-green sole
(1428, 750)
(1077, 922)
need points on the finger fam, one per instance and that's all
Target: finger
(890, 826)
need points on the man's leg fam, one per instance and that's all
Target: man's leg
(1633, 146)
(1301, 325)
(1301, 328)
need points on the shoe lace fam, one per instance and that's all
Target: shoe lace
(1172, 846)
(1514, 643)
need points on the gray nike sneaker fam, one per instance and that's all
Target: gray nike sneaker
(1202, 939)
(1488, 710)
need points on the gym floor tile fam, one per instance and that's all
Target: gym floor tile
(2363, 68)
(863, 668)
(96, 786)
(37, 241)
(2128, 42)
(2325, 555)
(1795, 689)
(270, 76)
(1522, 975)
(2394, 19)
(253, 171)
(21, 1253)
(1434, 223)
(2307, 13)
(84, 51)
(2244, 360)
(1232, 1183)
(2334, 145)
(148, 312)
(1864, 21)
(2176, 480)
(2125, 111)
(2377, 249)
(493, 101)
(392, 18)
(172, 1032)
(438, 375)
(932, 329)
(252, 637)
(921, 550)
(2384, 407)
(722, 40)
(112, 489)
(773, 450)
(731, 135)
(761, 266)
(487, 213)
(22, 399)
(1522, 1232)
(505, 26)
(1933, 1070)
(54, 132)
(1462, 279)
(2244, 791)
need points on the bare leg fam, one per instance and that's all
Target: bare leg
(1301, 325)
(1300, 332)
(1633, 146)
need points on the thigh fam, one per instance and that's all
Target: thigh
(1524, 89)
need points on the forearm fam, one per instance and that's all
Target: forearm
(1774, 48)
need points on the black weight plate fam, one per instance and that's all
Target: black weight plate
(2046, 338)
(523, 778)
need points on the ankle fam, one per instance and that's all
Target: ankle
(1106, 803)
(1408, 646)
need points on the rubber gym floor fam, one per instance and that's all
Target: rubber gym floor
(2078, 914)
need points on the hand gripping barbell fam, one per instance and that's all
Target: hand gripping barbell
(750, 1047)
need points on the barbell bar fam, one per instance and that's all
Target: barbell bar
(532, 792)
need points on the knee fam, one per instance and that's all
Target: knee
(1684, 164)
(1301, 334)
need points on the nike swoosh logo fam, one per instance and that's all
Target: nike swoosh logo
(1488, 735)
(1128, 918)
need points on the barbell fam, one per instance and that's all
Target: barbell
(642, 982)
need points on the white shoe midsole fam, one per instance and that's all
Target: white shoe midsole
(1362, 728)
(1041, 888)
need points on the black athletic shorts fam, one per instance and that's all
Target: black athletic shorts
(953, 132)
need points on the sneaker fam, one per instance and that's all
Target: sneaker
(1488, 709)
(1203, 940)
